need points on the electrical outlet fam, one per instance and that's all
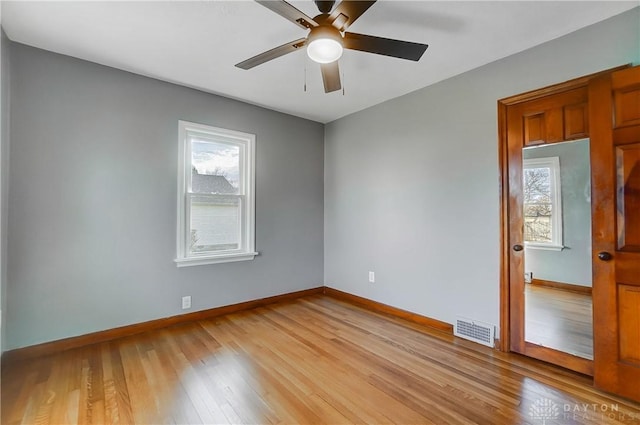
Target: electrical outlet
(372, 277)
(528, 277)
(186, 302)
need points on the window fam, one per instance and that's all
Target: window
(542, 203)
(216, 198)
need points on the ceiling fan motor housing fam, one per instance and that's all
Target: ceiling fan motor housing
(324, 6)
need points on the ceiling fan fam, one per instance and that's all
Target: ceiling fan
(327, 38)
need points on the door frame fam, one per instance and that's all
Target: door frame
(503, 160)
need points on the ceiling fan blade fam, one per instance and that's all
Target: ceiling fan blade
(331, 76)
(272, 54)
(347, 12)
(289, 12)
(384, 46)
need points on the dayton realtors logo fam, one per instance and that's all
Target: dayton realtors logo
(544, 409)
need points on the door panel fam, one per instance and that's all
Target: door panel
(534, 129)
(605, 107)
(629, 323)
(615, 130)
(627, 107)
(542, 122)
(576, 121)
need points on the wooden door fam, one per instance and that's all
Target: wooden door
(541, 118)
(614, 114)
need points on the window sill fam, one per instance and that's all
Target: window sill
(214, 259)
(544, 247)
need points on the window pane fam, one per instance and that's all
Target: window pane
(215, 224)
(537, 205)
(215, 167)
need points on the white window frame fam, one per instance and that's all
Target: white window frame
(553, 163)
(246, 142)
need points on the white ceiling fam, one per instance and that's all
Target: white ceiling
(197, 44)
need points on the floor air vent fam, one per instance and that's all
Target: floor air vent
(482, 333)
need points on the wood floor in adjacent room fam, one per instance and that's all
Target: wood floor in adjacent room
(559, 319)
(313, 360)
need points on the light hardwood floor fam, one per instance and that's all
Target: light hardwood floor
(559, 319)
(312, 360)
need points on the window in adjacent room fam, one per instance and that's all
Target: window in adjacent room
(542, 203)
(216, 197)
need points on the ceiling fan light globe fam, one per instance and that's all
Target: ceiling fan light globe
(324, 50)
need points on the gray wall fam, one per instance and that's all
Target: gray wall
(412, 187)
(92, 200)
(572, 264)
(4, 177)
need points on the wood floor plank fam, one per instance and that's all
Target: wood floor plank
(311, 360)
(123, 414)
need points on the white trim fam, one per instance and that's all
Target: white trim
(181, 212)
(543, 246)
(553, 164)
(246, 195)
(203, 260)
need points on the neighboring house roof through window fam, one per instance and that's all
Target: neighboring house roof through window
(207, 183)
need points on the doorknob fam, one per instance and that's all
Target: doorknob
(518, 247)
(605, 256)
